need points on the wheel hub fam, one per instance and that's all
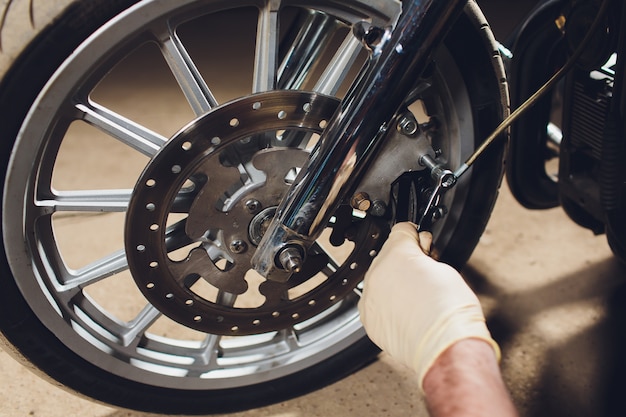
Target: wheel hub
(203, 203)
(260, 223)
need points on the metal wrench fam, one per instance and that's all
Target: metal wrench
(445, 179)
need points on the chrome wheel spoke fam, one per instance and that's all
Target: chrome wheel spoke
(266, 54)
(87, 201)
(192, 361)
(226, 299)
(209, 351)
(93, 321)
(138, 326)
(189, 79)
(339, 67)
(289, 337)
(126, 131)
(96, 271)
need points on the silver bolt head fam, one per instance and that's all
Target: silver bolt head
(238, 246)
(253, 206)
(408, 125)
(291, 259)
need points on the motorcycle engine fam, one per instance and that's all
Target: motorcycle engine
(586, 103)
(589, 162)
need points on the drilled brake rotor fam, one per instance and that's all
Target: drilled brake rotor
(203, 202)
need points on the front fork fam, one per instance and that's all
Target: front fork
(355, 133)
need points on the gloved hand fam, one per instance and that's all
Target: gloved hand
(414, 307)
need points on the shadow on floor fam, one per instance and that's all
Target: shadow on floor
(568, 338)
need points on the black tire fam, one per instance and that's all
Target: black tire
(43, 331)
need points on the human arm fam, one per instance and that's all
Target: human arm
(423, 314)
(465, 381)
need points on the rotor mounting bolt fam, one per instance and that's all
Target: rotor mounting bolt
(238, 246)
(253, 206)
(291, 259)
(361, 201)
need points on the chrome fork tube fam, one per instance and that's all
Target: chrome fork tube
(354, 134)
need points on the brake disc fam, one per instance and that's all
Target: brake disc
(203, 203)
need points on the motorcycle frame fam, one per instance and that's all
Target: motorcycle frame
(398, 56)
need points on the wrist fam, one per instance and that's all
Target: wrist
(462, 323)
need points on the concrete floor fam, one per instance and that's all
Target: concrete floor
(555, 299)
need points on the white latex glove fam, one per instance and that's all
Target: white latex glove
(414, 307)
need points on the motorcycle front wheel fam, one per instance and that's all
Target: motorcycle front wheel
(114, 93)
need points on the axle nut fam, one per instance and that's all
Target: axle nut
(290, 259)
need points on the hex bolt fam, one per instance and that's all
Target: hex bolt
(253, 206)
(448, 180)
(238, 246)
(445, 177)
(361, 201)
(408, 125)
(291, 259)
